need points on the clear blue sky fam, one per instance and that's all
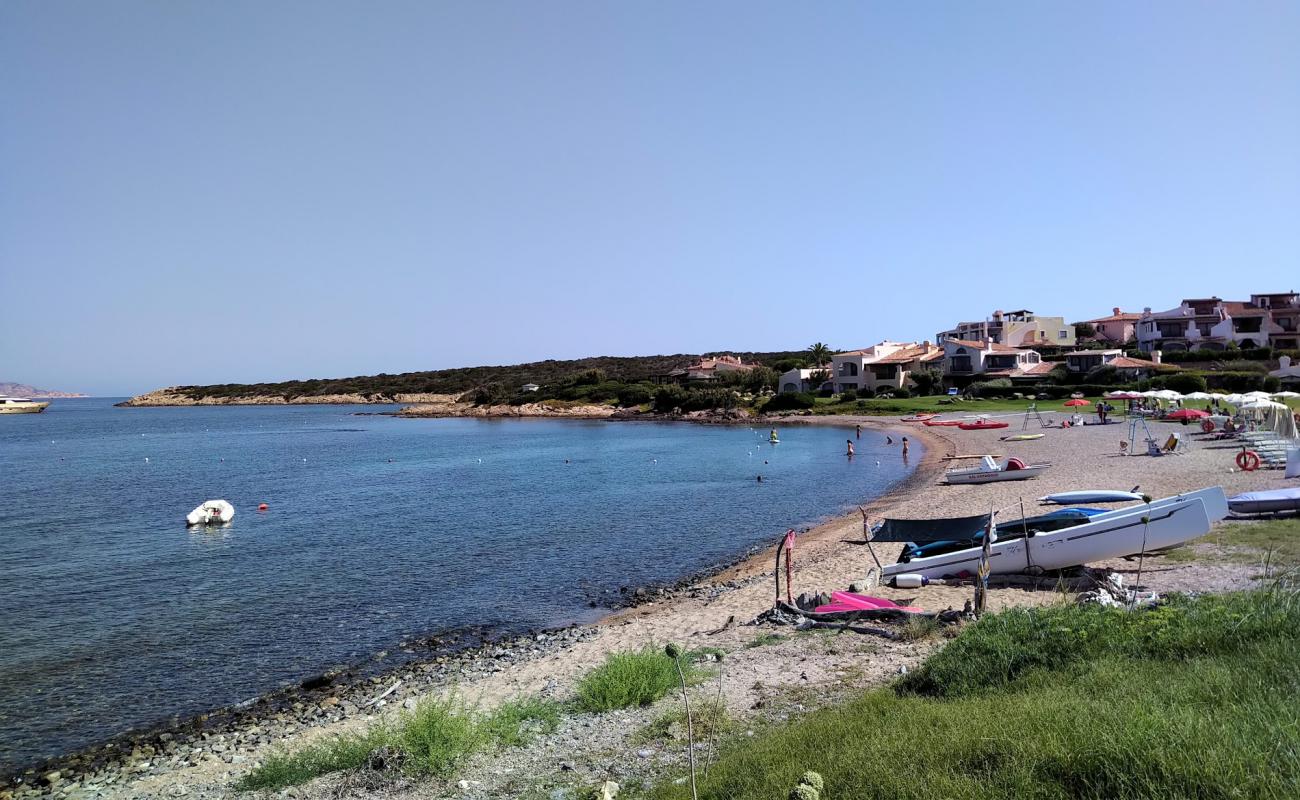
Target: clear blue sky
(198, 192)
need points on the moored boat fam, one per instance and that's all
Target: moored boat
(211, 512)
(21, 405)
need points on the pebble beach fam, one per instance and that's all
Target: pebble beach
(781, 677)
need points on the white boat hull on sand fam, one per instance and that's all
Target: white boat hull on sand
(978, 475)
(1089, 496)
(1111, 534)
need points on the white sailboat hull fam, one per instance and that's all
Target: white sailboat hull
(1173, 520)
(977, 475)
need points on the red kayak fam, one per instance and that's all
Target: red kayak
(983, 425)
(941, 422)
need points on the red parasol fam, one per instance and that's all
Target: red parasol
(1078, 401)
(1188, 413)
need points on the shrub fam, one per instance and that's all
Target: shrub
(438, 735)
(636, 678)
(1186, 382)
(668, 398)
(335, 754)
(634, 395)
(848, 396)
(516, 722)
(792, 401)
(1103, 373)
(866, 392)
(927, 382)
(901, 393)
(825, 392)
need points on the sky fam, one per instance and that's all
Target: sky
(202, 192)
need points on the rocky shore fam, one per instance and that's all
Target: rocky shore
(174, 396)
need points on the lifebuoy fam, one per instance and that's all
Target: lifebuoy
(1248, 460)
(1207, 426)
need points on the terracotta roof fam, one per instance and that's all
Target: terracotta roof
(1093, 352)
(1041, 368)
(1116, 318)
(907, 354)
(1235, 309)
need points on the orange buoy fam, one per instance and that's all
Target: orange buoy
(262, 507)
(1248, 460)
(1207, 426)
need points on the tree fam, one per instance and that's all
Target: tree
(927, 381)
(1084, 330)
(817, 377)
(820, 352)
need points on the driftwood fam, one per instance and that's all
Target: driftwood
(389, 691)
(731, 620)
(844, 626)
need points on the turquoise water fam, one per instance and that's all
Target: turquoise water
(379, 529)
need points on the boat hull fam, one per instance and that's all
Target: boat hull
(1113, 534)
(23, 408)
(1267, 502)
(960, 476)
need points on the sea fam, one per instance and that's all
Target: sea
(378, 530)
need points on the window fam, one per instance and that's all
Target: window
(1062, 335)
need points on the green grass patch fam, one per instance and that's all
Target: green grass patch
(1251, 541)
(336, 754)
(765, 639)
(516, 722)
(708, 718)
(627, 679)
(1196, 699)
(433, 739)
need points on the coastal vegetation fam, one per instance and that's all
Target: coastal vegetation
(627, 680)
(1060, 702)
(433, 739)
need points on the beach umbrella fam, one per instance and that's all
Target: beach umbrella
(1188, 413)
(1198, 396)
(1169, 394)
(1123, 395)
(1257, 395)
(1287, 394)
(1078, 401)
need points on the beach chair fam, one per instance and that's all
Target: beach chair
(1173, 445)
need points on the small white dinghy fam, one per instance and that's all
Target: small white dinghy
(989, 470)
(1089, 496)
(211, 512)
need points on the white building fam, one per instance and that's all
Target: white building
(1021, 328)
(963, 358)
(887, 365)
(1211, 323)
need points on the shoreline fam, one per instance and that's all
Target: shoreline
(347, 688)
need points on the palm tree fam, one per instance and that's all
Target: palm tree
(820, 352)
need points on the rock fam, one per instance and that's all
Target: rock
(644, 753)
(563, 793)
(52, 778)
(608, 791)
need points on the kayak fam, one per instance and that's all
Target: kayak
(947, 423)
(919, 417)
(982, 425)
(1022, 437)
(1089, 496)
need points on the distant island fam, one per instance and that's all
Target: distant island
(24, 390)
(625, 380)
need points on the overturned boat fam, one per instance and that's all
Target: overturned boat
(211, 512)
(1085, 538)
(1271, 501)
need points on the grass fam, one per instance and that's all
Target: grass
(434, 739)
(765, 639)
(516, 723)
(627, 679)
(1250, 541)
(1195, 699)
(708, 718)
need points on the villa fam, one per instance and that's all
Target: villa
(1118, 327)
(887, 365)
(1084, 361)
(707, 370)
(1266, 320)
(965, 359)
(1021, 328)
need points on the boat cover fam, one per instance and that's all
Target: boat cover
(920, 531)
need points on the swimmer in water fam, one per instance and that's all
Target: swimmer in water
(859, 431)
(760, 478)
(850, 452)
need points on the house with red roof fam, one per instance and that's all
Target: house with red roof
(1266, 320)
(880, 367)
(981, 359)
(1119, 327)
(707, 370)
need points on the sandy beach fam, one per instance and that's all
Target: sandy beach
(785, 674)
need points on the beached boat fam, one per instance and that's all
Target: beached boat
(919, 417)
(20, 405)
(211, 512)
(982, 425)
(1090, 496)
(1021, 437)
(941, 423)
(1111, 534)
(973, 533)
(1265, 502)
(990, 470)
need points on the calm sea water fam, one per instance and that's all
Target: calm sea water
(115, 616)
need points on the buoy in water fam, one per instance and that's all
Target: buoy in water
(262, 506)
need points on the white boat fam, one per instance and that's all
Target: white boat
(211, 512)
(20, 405)
(1089, 496)
(990, 469)
(1110, 534)
(1265, 502)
